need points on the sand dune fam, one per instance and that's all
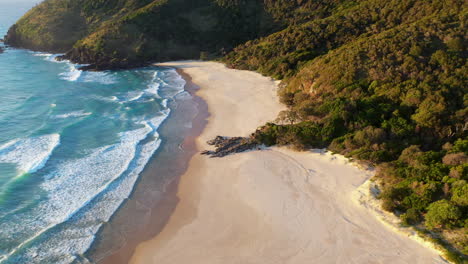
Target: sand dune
(272, 205)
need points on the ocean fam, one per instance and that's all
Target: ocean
(73, 145)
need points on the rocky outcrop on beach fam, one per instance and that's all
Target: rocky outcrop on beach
(229, 145)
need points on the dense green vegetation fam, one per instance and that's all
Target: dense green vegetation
(380, 81)
(128, 33)
(383, 82)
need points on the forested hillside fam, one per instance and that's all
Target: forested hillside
(381, 81)
(129, 33)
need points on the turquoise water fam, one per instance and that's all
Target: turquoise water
(72, 145)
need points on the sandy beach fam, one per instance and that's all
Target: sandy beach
(268, 206)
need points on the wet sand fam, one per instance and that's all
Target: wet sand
(154, 199)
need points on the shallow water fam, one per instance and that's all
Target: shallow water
(72, 146)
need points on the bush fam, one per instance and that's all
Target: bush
(411, 217)
(393, 196)
(410, 154)
(455, 159)
(459, 172)
(442, 214)
(369, 135)
(461, 145)
(388, 204)
(460, 193)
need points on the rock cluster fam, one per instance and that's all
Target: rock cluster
(229, 145)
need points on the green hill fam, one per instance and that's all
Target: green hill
(128, 33)
(381, 81)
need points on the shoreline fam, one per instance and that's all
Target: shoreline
(365, 197)
(269, 206)
(170, 161)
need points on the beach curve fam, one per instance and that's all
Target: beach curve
(268, 206)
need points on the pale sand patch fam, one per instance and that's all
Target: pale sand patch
(268, 206)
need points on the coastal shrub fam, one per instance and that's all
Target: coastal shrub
(411, 217)
(460, 193)
(391, 91)
(369, 135)
(459, 172)
(442, 214)
(393, 196)
(455, 159)
(460, 145)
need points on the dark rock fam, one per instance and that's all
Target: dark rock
(100, 61)
(1, 50)
(229, 145)
(207, 152)
(216, 141)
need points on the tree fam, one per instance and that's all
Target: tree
(287, 116)
(428, 113)
(460, 193)
(411, 217)
(442, 214)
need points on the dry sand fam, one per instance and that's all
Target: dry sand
(268, 206)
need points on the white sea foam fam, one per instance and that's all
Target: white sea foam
(106, 99)
(153, 88)
(133, 96)
(102, 77)
(72, 75)
(53, 58)
(84, 225)
(175, 85)
(40, 54)
(49, 57)
(164, 103)
(86, 192)
(73, 184)
(156, 121)
(80, 113)
(8, 144)
(29, 154)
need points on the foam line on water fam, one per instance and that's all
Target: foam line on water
(175, 83)
(72, 75)
(80, 113)
(153, 88)
(29, 154)
(86, 177)
(102, 77)
(84, 193)
(40, 54)
(134, 95)
(95, 212)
